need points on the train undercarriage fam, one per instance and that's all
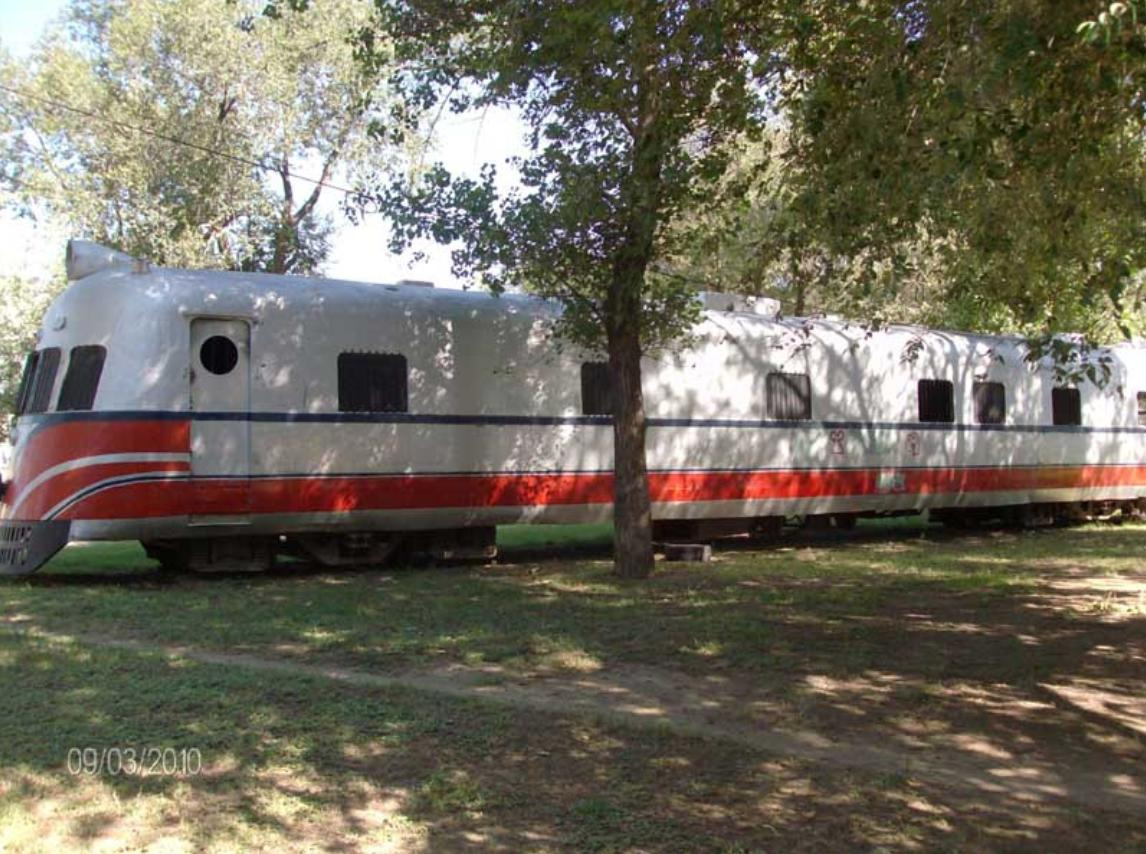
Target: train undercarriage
(352, 548)
(374, 548)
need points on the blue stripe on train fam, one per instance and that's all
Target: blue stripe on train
(46, 419)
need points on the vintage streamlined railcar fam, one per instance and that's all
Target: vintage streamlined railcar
(221, 417)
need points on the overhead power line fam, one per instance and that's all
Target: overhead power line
(122, 126)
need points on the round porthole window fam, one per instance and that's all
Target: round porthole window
(219, 354)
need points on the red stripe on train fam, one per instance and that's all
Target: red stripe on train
(53, 444)
(66, 484)
(795, 483)
(414, 492)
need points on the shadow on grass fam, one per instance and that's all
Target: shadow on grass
(951, 642)
(297, 763)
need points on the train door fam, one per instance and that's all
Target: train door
(220, 379)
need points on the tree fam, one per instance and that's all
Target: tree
(960, 164)
(626, 102)
(21, 309)
(178, 130)
(759, 231)
(986, 135)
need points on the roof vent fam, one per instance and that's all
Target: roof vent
(415, 283)
(84, 258)
(715, 301)
(763, 306)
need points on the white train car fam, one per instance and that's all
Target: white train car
(220, 417)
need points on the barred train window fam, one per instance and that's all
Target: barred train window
(1066, 406)
(37, 392)
(596, 389)
(372, 382)
(990, 403)
(82, 379)
(1142, 408)
(789, 396)
(936, 401)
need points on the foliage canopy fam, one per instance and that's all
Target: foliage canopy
(978, 165)
(178, 130)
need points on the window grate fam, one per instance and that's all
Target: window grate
(990, 402)
(789, 396)
(596, 389)
(936, 401)
(1066, 406)
(372, 382)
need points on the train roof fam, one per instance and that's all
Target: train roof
(112, 281)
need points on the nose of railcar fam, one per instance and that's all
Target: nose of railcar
(25, 544)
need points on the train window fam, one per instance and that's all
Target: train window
(39, 393)
(789, 396)
(26, 381)
(1066, 406)
(372, 382)
(82, 379)
(596, 389)
(219, 354)
(1142, 408)
(936, 401)
(990, 402)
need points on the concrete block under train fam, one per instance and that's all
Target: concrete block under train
(222, 417)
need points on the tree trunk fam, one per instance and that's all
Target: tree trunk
(283, 231)
(632, 511)
(287, 224)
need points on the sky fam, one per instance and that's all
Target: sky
(360, 252)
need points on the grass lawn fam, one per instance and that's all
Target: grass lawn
(900, 637)
(762, 611)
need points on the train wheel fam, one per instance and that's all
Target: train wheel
(214, 554)
(817, 522)
(346, 549)
(768, 527)
(171, 558)
(424, 548)
(952, 520)
(1030, 516)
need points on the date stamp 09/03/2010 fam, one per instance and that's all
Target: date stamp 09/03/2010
(143, 761)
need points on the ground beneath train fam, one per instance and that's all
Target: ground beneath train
(898, 691)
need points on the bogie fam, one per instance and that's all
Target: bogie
(214, 554)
